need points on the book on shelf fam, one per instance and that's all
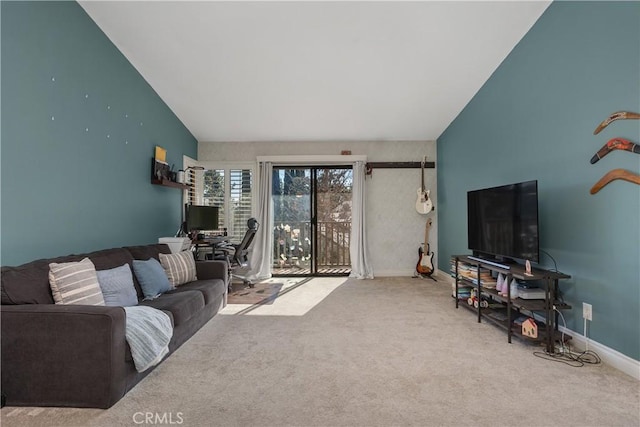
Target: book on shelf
(470, 273)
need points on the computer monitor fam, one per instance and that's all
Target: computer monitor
(201, 218)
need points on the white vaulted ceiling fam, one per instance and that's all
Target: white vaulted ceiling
(294, 71)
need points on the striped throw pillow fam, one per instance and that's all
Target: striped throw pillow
(180, 267)
(75, 283)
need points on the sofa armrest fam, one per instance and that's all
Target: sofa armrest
(215, 269)
(63, 355)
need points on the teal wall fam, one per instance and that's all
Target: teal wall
(79, 127)
(534, 119)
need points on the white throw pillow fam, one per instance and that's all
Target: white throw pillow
(75, 283)
(180, 267)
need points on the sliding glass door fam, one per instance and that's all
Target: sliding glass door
(292, 216)
(312, 220)
(333, 220)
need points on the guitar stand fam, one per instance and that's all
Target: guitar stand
(417, 275)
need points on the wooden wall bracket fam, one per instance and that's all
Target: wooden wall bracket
(398, 165)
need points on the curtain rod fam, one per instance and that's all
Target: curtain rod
(304, 160)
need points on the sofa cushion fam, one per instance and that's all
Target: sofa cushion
(152, 278)
(182, 305)
(110, 258)
(210, 289)
(75, 283)
(180, 267)
(117, 286)
(29, 283)
(148, 251)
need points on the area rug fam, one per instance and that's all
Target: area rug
(261, 293)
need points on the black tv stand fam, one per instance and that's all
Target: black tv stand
(500, 308)
(495, 263)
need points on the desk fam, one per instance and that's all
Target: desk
(204, 247)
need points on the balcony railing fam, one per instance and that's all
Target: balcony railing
(292, 245)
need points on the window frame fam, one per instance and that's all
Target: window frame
(227, 167)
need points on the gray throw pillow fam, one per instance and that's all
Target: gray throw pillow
(152, 278)
(117, 286)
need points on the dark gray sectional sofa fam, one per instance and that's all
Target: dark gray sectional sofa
(77, 355)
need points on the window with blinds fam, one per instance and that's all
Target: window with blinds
(213, 192)
(239, 202)
(228, 189)
(194, 179)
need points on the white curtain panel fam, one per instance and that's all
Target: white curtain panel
(360, 264)
(260, 258)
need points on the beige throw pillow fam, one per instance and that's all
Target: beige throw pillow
(75, 283)
(180, 267)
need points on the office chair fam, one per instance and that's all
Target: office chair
(236, 255)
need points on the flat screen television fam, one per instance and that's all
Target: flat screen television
(502, 222)
(201, 217)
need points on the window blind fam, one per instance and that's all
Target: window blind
(240, 201)
(194, 179)
(229, 189)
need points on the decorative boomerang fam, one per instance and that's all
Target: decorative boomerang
(618, 115)
(615, 144)
(613, 175)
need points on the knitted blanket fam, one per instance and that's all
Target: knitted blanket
(148, 332)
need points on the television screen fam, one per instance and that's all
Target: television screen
(502, 221)
(201, 218)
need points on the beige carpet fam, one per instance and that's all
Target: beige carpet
(260, 293)
(336, 352)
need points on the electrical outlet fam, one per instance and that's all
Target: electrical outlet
(587, 312)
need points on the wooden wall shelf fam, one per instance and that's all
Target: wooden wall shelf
(168, 183)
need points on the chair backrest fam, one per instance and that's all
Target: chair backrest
(242, 248)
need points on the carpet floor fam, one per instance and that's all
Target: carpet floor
(260, 293)
(346, 352)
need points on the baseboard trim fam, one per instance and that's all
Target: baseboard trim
(391, 273)
(444, 276)
(438, 274)
(608, 355)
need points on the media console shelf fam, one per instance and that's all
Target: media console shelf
(502, 310)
